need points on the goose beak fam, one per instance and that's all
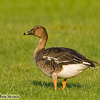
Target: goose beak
(26, 33)
(29, 32)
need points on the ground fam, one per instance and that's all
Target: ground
(71, 24)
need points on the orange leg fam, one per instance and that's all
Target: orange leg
(64, 84)
(55, 84)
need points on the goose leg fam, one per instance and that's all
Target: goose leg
(64, 84)
(55, 84)
(54, 76)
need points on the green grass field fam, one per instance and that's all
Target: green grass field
(70, 23)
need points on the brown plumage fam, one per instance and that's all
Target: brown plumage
(58, 62)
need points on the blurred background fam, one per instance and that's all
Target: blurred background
(70, 23)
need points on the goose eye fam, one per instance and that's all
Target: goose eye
(37, 28)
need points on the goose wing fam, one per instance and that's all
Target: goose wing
(63, 56)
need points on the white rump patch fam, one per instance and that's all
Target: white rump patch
(71, 70)
(86, 63)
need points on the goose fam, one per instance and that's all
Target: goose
(58, 62)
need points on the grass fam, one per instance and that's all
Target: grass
(72, 24)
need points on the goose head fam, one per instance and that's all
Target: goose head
(38, 31)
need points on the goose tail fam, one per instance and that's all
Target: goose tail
(95, 63)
